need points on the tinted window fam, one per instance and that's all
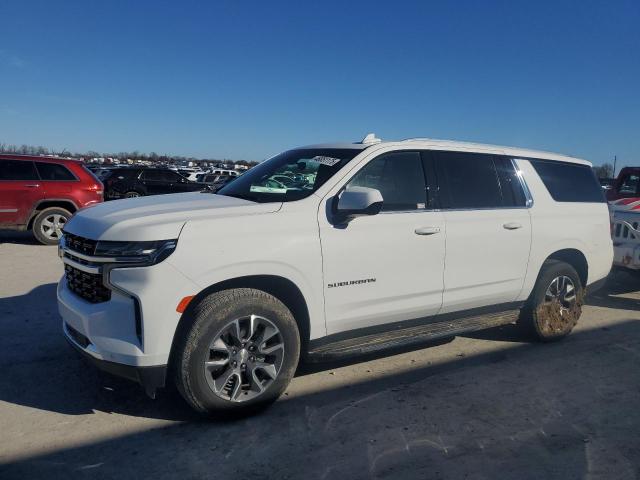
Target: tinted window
(17, 170)
(569, 182)
(400, 179)
(468, 180)
(630, 184)
(54, 171)
(161, 175)
(510, 185)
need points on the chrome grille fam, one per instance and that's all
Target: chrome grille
(88, 286)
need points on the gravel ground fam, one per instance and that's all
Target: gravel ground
(488, 405)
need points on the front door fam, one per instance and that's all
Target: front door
(387, 267)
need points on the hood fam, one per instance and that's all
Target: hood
(157, 217)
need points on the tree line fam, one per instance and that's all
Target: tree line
(135, 155)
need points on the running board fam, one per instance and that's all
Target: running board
(408, 336)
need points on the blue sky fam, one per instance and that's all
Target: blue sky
(246, 79)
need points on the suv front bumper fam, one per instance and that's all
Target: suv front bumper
(150, 378)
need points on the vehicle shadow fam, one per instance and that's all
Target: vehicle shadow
(30, 320)
(14, 236)
(551, 411)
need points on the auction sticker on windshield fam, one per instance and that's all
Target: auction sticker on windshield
(330, 161)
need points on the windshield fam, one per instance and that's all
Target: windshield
(290, 176)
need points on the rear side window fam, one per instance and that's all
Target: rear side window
(54, 171)
(399, 178)
(17, 170)
(510, 184)
(569, 182)
(161, 176)
(468, 180)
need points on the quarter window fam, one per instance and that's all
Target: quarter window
(17, 170)
(400, 179)
(54, 171)
(569, 182)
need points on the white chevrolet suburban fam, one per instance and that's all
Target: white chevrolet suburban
(328, 251)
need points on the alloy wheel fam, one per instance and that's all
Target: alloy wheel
(51, 226)
(244, 358)
(563, 291)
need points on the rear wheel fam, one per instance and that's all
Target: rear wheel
(238, 352)
(48, 224)
(555, 304)
(132, 194)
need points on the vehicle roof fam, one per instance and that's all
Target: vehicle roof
(453, 145)
(39, 158)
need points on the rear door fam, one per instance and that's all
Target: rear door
(20, 191)
(56, 179)
(488, 224)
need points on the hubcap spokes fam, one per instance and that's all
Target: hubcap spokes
(244, 358)
(52, 226)
(563, 291)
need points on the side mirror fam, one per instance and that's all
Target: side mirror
(356, 202)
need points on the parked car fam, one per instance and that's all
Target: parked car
(138, 182)
(41, 194)
(216, 182)
(626, 185)
(390, 244)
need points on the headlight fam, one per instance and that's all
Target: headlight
(137, 252)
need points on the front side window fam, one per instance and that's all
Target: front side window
(54, 172)
(17, 170)
(400, 179)
(569, 182)
(290, 176)
(468, 181)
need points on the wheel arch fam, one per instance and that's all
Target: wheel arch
(576, 259)
(49, 203)
(280, 287)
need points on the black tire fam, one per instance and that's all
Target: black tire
(132, 194)
(549, 321)
(206, 322)
(46, 231)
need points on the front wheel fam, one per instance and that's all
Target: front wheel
(555, 304)
(239, 351)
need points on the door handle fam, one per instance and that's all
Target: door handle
(512, 225)
(427, 230)
(32, 185)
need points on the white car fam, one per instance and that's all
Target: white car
(388, 244)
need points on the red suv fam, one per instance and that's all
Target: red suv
(41, 193)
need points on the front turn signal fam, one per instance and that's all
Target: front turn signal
(184, 303)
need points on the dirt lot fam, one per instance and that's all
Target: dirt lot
(488, 406)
